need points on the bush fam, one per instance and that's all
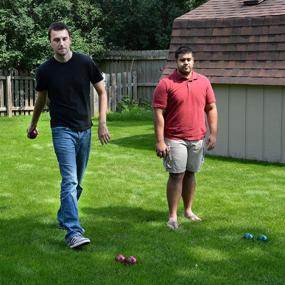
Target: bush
(128, 109)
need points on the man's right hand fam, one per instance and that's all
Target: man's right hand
(32, 132)
(162, 149)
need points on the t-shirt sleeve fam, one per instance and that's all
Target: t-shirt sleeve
(95, 74)
(159, 99)
(210, 95)
(41, 82)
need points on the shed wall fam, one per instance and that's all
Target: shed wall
(251, 122)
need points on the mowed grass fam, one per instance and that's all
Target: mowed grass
(124, 210)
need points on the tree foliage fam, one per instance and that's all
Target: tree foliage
(24, 23)
(136, 24)
(95, 24)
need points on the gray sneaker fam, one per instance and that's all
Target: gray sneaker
(78, 241)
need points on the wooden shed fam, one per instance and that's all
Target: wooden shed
(240, 46)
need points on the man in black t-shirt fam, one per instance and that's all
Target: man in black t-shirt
(65, 79)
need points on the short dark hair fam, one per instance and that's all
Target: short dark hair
(57, 26)
(183, 50)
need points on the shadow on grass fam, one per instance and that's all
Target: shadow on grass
(145, 141)
(200, 250)
(243, 161)
(201, 253)
(126, 214)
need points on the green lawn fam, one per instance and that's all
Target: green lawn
(124, 210)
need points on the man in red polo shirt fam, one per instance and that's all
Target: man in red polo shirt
(180, 102)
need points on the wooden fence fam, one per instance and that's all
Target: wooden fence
(128, 73)
(17, 95)
(148, 64)
(118, 86)
(17, 92)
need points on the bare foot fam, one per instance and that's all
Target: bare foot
(172, 224)
(192, 217)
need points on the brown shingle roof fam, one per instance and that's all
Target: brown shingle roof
(234, 43)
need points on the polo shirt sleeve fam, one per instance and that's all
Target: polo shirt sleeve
(159, 99)
(210, 95)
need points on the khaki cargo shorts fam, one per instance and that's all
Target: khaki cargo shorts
(184, 155)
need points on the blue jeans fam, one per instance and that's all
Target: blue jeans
(72, 149)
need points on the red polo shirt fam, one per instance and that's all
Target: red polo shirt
(184, 101)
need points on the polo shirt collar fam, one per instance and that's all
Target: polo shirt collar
(194, 76)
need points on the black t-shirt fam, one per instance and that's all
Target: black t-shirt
(68, 87)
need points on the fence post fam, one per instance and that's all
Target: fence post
(9, 95)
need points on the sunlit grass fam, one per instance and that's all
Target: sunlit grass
(124, 210)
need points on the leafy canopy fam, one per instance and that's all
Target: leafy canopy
(24, 23)
(141, 25)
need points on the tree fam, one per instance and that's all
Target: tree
(136, 24)
(23, 29)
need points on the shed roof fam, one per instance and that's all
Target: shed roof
(233, 43)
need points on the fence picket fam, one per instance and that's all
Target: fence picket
(129, 85)
(119, 88)
(9, 101)
(109, 89)
(1, 92)
(31, 93)
(124, 81)
(26, 93)
(15, 91)
(135, 89)
(113, 92)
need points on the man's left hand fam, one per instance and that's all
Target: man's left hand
(103, 133)
(211, 142)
